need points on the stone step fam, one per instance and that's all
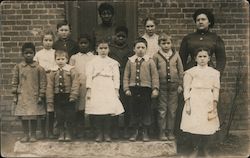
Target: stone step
(90, 149)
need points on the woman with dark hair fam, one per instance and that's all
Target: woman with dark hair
(204, 20)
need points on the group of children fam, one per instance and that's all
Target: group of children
(67, 80)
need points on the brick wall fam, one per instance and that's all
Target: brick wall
(24, 21)
(21, 22)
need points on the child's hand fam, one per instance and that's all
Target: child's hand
(180, 89)
(88, 94)
(188, 107)
(128, 93)
(155, 93)
(117, 92)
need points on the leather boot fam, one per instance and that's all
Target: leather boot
(145, 137)
(61, 135)
(25, 125)
(107, 125)
(134, 135)
(171, 135)
(99, 136)
(68, 136)
(33, 131)
(162, 135)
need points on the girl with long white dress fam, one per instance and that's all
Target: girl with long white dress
(103, 82)
(201, 94)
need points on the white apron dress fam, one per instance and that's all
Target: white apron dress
(103, 78)
(201, 85)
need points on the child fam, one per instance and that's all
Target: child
(80, 61)
(201, 93)
(141, 82)
(103, 82)
(170, 71)
(120, 51)
(64, 41)
(62, 91)
(29, 86)
(46, 59)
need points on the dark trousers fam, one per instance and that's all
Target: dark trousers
(65, 111)
(140, 106)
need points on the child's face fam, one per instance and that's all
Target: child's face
(61, 60)
(150, 27)
(103, 49)
(120, 38)
(202, 58)
(140, 49)
(63, 32)
(47, 41)
(166, 45)
(84, 45)
(28, 55)
(106, 16)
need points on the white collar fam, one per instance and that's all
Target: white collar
(67, 67)
(134, 57)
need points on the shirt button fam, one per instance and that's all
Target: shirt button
(168, 68)
(137, 77)
(60, 76)
(60, 83)
(137, 70)
(201, 39)
(61, 90)
(168, 73)
(137, 84)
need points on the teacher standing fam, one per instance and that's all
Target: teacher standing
(204, 20)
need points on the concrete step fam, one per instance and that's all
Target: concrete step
(90, 149)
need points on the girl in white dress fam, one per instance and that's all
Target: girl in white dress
(103, 82)
(201, 94)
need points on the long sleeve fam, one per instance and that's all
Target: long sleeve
(50, 88)
(184, 52)
(75, 86)
(187, 80)
(126, 77)
(216, 86)
(72, 60)
(43, 82)
(89, 74)
(116, 76)
(15, 79)
(220, 55)
(180, 70)
(154, 75)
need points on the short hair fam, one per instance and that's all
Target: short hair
(102, 40)
(140, 40)
(28, 45)
(150, 17)
(85, 36)
(163, 37)
(106, 6)
(61, 52)
(60, 24)
(121, 29)
(48, 32)
(208, 13)
(196, 51)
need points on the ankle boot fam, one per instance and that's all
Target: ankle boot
(99, 136)
(145, 137)
(25, 125)
(33, 131)
(107, 135)
(162, 135)
(61, 135)
(134, 136)
(68, 137)
(43, 129)
(171, 135)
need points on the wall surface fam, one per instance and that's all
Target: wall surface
(24, 21)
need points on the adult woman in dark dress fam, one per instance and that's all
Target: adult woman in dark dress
(204, 20)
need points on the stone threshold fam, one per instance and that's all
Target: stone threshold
(117, 149)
